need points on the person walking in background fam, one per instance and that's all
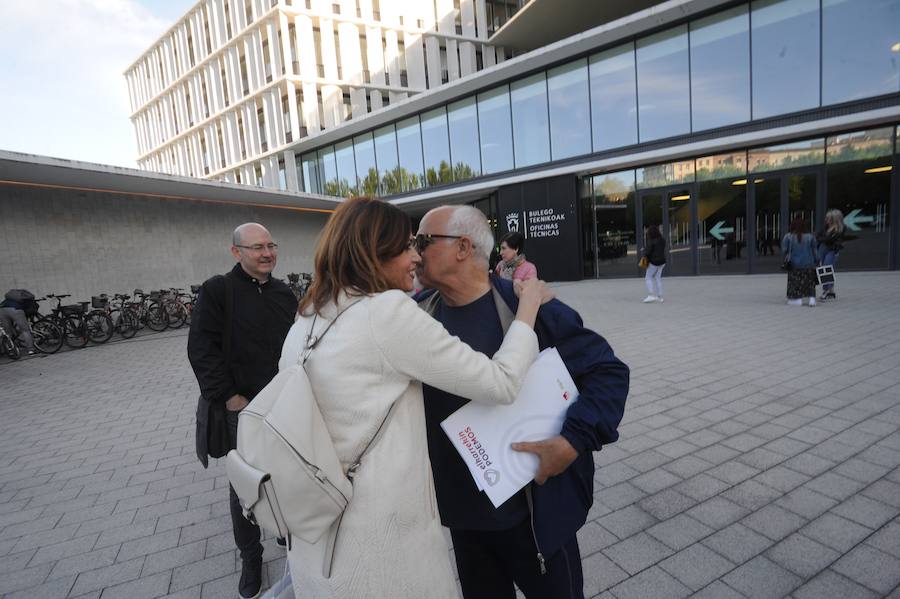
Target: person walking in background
(238, 326)
(799, 250)
(830, 240)
(13, 311)
(513, 266)
(655, 253)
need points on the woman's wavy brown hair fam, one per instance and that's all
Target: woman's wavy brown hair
(361, 235)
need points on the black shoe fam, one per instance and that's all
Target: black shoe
(251, 580)
(832, 295)
(282, 542)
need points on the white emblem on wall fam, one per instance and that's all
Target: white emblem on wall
(512, 221)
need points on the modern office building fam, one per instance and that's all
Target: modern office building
(233, 84)
(719, 120)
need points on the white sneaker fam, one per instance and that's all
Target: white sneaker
(660, 299)
(649, 299)
(795, 302)
(812, 302)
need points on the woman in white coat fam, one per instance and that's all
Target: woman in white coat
(368, 368)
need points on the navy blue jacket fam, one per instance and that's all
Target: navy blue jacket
(562, 503)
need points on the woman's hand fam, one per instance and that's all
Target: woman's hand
(533, 289)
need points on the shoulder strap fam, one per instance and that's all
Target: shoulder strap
(229, 313)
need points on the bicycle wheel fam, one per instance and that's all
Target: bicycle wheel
(9, 347)
(157, 319)
(126, 324)
(75, 333)
(47, 336)
(99, 326)
(189, 309)
(176, 314)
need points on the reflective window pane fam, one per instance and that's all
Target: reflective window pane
(531, 129)
(860, 187)
(721, 225)
(388, 163)
(860, 145)
(570, 114)
(494, 130)
(663, 84)
(436, 147)
(785, 39)
(722, 166)
(720, 69)
(409, 150)
(859, 58)
(346, 168)
(613, 98)
(463, 118)
(366, 173)
(328, 171)
(680, 236)
(614, 219)
(312, 183)
(660, 175)
(803, 153)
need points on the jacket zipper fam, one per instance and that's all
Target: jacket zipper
(540, 556)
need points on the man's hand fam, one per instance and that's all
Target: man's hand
(555, 453)
(236, 403)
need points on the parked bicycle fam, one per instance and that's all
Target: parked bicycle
(8, 345)
(149, 311)
(299, 283)
(69, 319)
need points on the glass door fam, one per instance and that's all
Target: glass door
(672, 211)
(779, 199)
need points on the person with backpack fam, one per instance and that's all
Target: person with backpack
(14, 317)
(238, 325)
(375, 348)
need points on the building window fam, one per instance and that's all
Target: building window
(860, 51)
(720, 69)
(327, 170)
(530, 116)
(366, 171)
(409, 151)
(613, 98)
(436, 147)
(388, 162)
(570, 112)
(663, 90)
(346, 168)
(785, 41)
(463, 118)
(790, 155)
(494, 130)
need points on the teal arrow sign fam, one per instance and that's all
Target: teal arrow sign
(854, 217)
(718, 230)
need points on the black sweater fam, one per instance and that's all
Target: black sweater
(261, 317)
(656, 251)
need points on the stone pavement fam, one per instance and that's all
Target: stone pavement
(759, 455)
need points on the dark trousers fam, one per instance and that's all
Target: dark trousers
(490, 562)
(246, 534)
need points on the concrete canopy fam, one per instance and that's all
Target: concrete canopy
(42, 171)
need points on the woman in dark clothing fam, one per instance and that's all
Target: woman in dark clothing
(799, 249)
(655, 252)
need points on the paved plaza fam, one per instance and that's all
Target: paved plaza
(759, 455)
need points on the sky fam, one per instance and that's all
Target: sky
(62, 89)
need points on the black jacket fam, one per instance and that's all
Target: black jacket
(261, 318)
(561, 505)
(656, 251)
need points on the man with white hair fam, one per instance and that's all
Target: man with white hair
(238, 326)
(529, 541)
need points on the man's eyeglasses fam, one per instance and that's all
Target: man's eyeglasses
(423, 240)
(258, 247)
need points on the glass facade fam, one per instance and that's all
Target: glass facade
(613, 224)
(530, 120)
(785, 57)
(570, 110)
(346, 168)
(411, 173)
(495, 130)
(859, 54)
(791, 155)
(436, 147)
(720, 69)
(366, 170)
(463, 119)
(613, 90)
(664, 107)
(387, 160)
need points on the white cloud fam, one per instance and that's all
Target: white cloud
(62, 89)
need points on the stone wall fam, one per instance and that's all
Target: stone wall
(85, 243)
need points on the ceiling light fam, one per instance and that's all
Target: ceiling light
(895, 47)
(878, 169)
(739, 182)
(686, 196)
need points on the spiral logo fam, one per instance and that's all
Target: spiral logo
(522, 464)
